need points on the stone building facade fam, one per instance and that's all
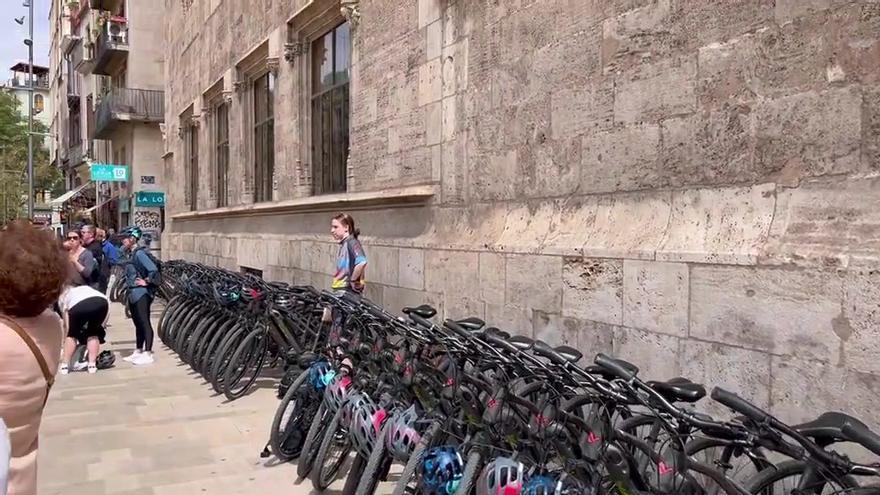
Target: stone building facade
(107, 80)
(690, 185)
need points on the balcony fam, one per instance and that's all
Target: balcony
(75, 155)
(81, 57)
(108, 5)
(41, 82)
(111, 48)
(123, 105)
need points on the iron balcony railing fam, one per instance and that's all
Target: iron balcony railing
(126, 104)
(111, 45)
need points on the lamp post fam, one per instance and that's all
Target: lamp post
(30, 162)
(30, 90)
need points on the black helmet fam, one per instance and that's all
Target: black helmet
(105, 360)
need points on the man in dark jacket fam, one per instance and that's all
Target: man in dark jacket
(98, 279)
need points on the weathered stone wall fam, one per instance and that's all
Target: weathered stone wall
(690, 185)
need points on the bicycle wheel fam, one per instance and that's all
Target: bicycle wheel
(210, 344)
(729, 459)
(245, 365)
(223, 356)
(288, 431)
(408, 481)
(788, 474)
(312, 443)
(332, 454)
(369, 480)
(472, 468)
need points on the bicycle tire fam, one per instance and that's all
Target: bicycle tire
(207, 348)
(186, 326)
(356, 470)
(191, 324)
(218, 367)
(325, 474)
(697, 445)
(787, 469)
(279, 434)
(415, 459)
(311, 443)
(160, 323)
(194, 340)
(247, 354)
(369, 480)
(472, 468)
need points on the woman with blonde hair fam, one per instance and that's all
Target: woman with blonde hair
(33, 270)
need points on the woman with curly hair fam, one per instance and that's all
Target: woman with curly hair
(33, 270)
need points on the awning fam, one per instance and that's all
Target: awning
(93, 208)
(60, 200)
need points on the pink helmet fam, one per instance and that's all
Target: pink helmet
(336, 392)
(402, 437)
(502, 476)
(364, 420)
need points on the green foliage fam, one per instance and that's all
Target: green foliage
(13, 159)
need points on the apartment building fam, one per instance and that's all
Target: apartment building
(692, 188)
(107, 68)
(17, 84)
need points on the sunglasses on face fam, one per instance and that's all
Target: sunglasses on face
(73, 238)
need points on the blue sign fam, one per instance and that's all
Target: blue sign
(149, 198)
(102, 172)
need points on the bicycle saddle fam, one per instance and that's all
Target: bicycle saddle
(569, 353)
(679, 390)
(424, 311)
(471, 323)
(837, 426)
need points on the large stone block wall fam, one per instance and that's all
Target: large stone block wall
(690, 185)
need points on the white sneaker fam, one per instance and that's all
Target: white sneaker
(63, 369)
(93, 369)
(143, 359)
(133, 356)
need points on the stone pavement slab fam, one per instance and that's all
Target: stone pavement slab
(157, 430)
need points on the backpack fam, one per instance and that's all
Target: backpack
(156, 281)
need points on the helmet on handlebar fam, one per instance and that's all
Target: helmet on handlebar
(502, 476)
(337, 391)
(542, 484)
(320, 374)
(402, 437)
(442, 470)
(364, 420)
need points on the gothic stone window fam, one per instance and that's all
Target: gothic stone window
(221, 152)
(331, 59)
(191, 157)
(264, 137)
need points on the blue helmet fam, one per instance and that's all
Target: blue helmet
(132, 231)
(542, 484)
(319, 374)
(442, 469)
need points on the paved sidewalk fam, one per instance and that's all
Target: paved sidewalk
(158, 430)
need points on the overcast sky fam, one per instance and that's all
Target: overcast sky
(12, 47)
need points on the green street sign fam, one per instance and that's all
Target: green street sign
(149, 198)
(102, 172)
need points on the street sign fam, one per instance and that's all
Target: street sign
(102, 172)
(149, 198)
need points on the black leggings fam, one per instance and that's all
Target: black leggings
(143, 327)
(86, 319)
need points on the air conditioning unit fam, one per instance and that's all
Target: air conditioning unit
(117, 33)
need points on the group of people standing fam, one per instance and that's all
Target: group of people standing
(52, 295)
